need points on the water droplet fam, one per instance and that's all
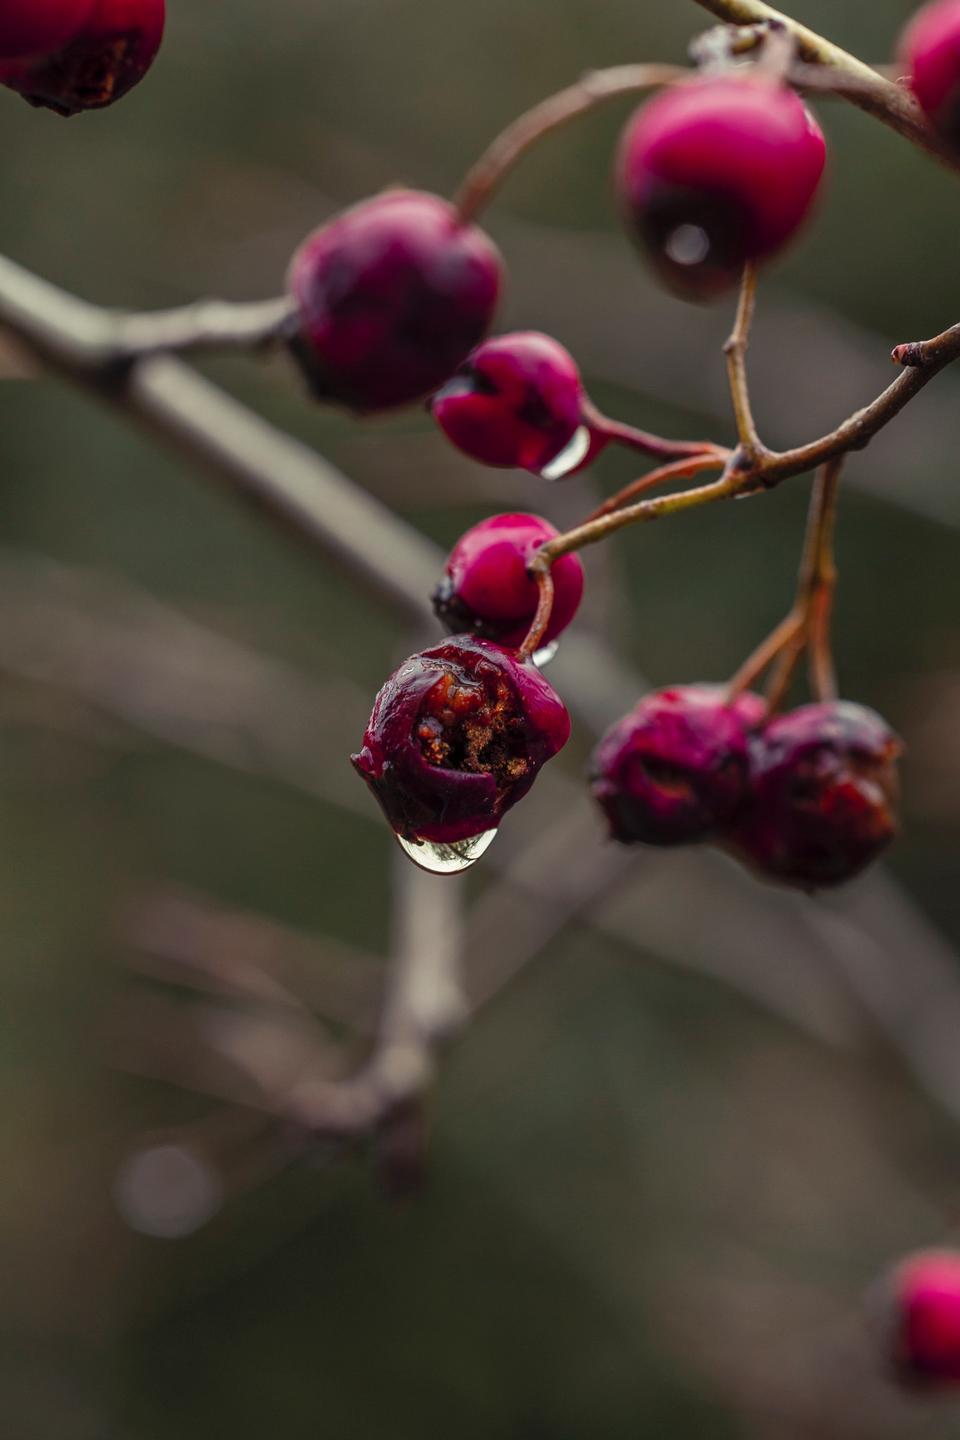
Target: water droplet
(545, 654)
(167, 1191)
(447, 859)
(570, 456)
(688, 245)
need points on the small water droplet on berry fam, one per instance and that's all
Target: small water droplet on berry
(688, 245)
(447, 859)
(570, 456)
(545, 654)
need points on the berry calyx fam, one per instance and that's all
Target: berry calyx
(517, 400)
(921, 1318)
(716, 172)
(487, 591)
(675, 770)
(457, 736)
(930, 48)
(823, 795)
(393, 295)
(100, 62)
(37, 27)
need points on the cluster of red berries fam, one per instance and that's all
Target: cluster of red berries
(394, 297)
(807, 798)
(73, 55)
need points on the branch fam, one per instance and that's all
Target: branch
(276, 474)
(423, 1008)
(736, 352)
(884, 99)
(595, 88)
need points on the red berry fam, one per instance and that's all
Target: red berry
(930, 49)
(823, 795)
(921, 1315)
(675, 769)
(37, 27)
(715, 172)
(457, 736)
(517, 400)
(109, 54)
(393, 295)
(486, 589)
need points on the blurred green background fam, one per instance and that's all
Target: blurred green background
(666, 1165)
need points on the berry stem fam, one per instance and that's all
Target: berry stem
(484, 178)
(765, 654)
(807, 626)
(598, 528)
(677, 470)
(615, 432)
(543, 575)
(818, 579)
(736, 352)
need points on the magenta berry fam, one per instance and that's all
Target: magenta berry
(823, 795)
(101, 61)
(921, 1318)
(38, 27)
(393, 295)
(457, 736)
(716, 172)
(517, 400)
(486, 589)
(930, 48)
(675, 769)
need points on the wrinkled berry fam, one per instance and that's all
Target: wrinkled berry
(517, 400)
(457, 736)
(715, 172)
(921, 1318)
(823, 795)
(109, 54)
(486, 589)
(393, 295)
(930, 48)
(37, 27)
(675, 769)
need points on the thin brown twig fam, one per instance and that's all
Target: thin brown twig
(541, 619)
(656, 446)
(818, 579)
(807, 626)
(735, 350)
(677, 470)
(595, 88)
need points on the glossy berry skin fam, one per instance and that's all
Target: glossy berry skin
(921, 1318)
(930, 49)
(675, 769)
(517, 400)
(457, 736)
(823, 795)
(393, 295)
(38, 27)
(486, 589)
(103, 60)
(716, 172)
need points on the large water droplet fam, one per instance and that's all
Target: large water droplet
(570, 456)
(545, 654)
(450, 859)
(688, 245)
